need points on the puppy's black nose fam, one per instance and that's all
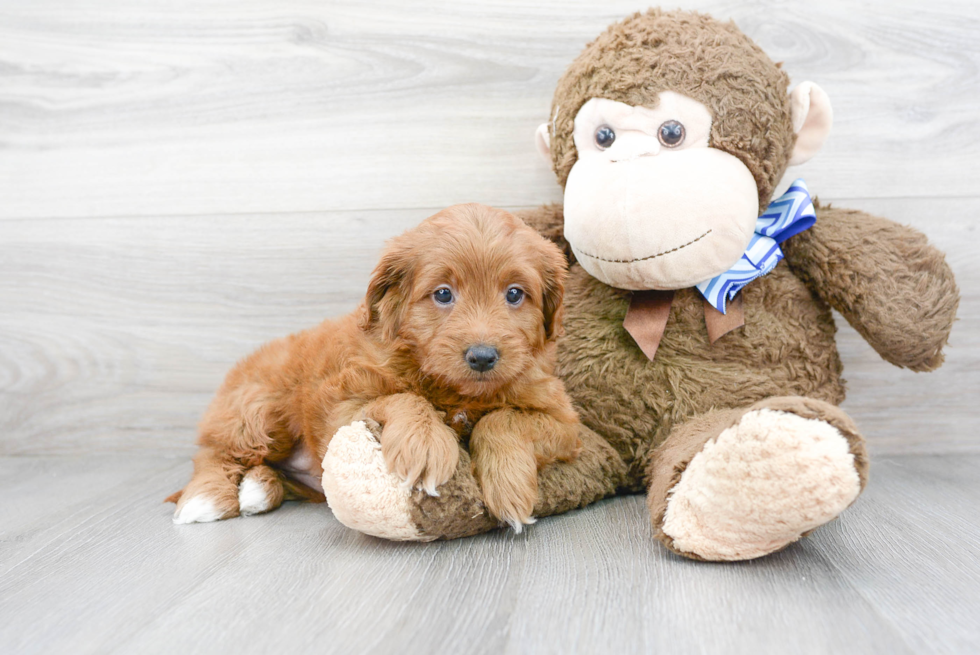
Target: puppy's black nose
(482, 358)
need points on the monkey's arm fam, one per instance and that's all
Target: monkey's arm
(549, 221)
(893, 287)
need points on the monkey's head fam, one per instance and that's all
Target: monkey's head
(669, 133)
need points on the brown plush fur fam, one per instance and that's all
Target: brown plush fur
(400, 360)
(787, 346)
(884, 278)
(695, 55)
(635, 403)
(887, 281)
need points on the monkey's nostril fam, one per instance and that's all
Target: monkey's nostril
(481, 358)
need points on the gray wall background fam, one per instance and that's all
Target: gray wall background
(181, 182)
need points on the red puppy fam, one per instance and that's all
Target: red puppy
(455, 339)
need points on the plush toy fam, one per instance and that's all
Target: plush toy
(699, 345)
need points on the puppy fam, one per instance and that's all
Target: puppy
(455, 340)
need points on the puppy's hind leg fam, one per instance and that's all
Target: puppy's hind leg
(237, 434)
(264, 488)
(212, 493)
(259, 491)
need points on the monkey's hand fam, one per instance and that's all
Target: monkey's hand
(893, 287)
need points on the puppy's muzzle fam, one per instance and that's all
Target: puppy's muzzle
(481, 358)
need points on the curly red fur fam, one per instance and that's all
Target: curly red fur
(400, 360)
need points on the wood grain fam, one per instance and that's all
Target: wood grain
(182, 181)
(225, 107)
(910, 547)
(897, 574)
(116, 332)
(189, 122)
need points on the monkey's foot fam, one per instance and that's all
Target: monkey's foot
(767, 476)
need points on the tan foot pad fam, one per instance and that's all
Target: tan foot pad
(759, 486)
(363, 495)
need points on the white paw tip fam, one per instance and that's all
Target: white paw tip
(518, 524)
(252, 498)
(197, 510)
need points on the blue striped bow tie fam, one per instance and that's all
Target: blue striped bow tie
(789, 214)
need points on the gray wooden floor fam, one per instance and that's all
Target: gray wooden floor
(183, 180)
(91, 563)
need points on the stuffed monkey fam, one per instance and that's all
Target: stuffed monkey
(699, 340)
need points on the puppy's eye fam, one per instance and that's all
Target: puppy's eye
(671, 134)
(604, 136)
(443, 296)
(514, 296)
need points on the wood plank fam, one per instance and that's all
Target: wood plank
(591, 581)
(98, 581)
(910, 547)
(350, 594)
(896, 574)
(116, 332)
(254, 106)
(607, 586)
(126, 327)
(46, 498)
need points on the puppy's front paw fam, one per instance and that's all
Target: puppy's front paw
(423, 454)
(510, 489)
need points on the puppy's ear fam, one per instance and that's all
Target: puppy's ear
(554, 271)
(386, 291)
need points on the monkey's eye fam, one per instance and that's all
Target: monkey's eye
(443, 296)
(514, 296)
(604, 136)
(671, 134)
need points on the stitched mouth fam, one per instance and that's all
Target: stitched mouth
(643, 259)
(634, 158)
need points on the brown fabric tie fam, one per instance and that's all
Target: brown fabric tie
(646, 319)
(719, 324)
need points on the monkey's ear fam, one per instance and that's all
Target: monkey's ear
(542, 139)
(385, 295)
(812, 119)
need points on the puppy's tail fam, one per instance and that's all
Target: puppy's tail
(296, 490)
